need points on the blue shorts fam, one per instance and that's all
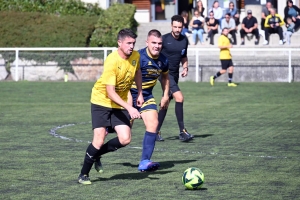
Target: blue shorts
(149, 103)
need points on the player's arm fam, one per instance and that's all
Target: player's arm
(223, 45)
(165, 85)
(184, 63)
(138, 82)
(129, 98)
(112, 94)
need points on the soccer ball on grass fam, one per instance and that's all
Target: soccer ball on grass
(193, 178)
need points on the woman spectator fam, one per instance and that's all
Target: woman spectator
(199, 7)
(185, 29)
(197, 24)
(218, 12)
(293, 12)
(233, 13)
(212, 27)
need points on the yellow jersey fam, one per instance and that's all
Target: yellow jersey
(118, 72)
(224, 53)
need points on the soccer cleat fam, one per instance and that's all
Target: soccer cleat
(232, 85)
(98, 165)
(184, 136)
(212, 80)
(84, 179)
(159, 137)
(148, 165)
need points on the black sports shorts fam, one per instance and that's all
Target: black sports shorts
(226, 63)
(108, 117)
(173, 85)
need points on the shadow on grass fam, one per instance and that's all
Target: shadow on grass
(196, 189)
(134, 176)
(195, 136)
(163, 164)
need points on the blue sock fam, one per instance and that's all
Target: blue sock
(148, 145)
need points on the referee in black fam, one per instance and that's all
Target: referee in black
(175, 49)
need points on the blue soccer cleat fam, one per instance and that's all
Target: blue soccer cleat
(148, 165)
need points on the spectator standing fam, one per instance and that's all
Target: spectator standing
(199, 7)
(225, 58)
(212, 27)
(249, 25)
(186, 21)
(197, 24)
(265, 12)
(292, 12)
(218, 12)
(234, 14)
(290, 30)
(229, 23)
(273, 24)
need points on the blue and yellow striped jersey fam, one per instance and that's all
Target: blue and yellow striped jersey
(151, 69)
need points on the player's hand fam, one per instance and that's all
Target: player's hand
(277, 24)
(184, 72)
(140, 100)
(134, 113)
(230, 46)
(164, 103)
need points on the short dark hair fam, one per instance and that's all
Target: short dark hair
(224, 29)
(177, 18)
(155, 33)
(126, 32)
(228, 14)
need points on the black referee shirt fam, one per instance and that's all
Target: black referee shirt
(174, 50)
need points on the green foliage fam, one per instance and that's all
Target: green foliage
(62, 7)
(21, 29)
(110, 22)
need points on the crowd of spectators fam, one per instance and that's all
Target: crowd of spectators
(216, 19)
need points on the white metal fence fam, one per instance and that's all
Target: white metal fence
(192, 52)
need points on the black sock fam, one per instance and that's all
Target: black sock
(179, 114)
(112, 145)
(161, 117)
(230, 77)
(217, 75)
(88, 159)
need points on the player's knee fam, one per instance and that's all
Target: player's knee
(179, 99)
(124, 141)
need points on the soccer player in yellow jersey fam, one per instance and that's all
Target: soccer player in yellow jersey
(109, 107)
(225, 58)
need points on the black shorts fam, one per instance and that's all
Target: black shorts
(173, 86)
(226, 63)
(108, 117)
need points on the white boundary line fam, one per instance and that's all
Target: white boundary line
(55, 134)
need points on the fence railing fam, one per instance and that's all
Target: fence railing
(197, 52)
(289, 52)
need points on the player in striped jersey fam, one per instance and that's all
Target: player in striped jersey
(152, 64)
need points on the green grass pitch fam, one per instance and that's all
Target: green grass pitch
(247, 143)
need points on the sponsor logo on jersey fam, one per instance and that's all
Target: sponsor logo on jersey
(149, 63)
(133, 62)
